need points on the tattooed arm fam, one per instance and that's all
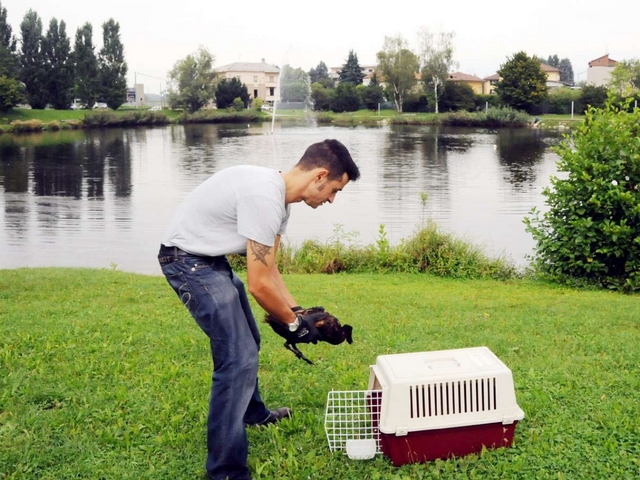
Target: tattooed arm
(277, 277)
(265, 283)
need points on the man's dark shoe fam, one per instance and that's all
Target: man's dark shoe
(276, 415)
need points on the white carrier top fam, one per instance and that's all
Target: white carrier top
(443, 389)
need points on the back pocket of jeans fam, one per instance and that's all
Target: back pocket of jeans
(184, 291)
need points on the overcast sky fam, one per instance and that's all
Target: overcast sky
(302, 33)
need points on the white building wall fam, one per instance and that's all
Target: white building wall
(599, 76)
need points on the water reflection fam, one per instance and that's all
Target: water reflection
(519, 151)
(95, 197)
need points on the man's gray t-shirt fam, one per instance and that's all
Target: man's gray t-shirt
(232, 206)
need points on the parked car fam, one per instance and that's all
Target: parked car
(266, 108)
(155, 109)
(76, 106)
(99, 105)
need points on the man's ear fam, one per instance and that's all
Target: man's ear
(321, 174)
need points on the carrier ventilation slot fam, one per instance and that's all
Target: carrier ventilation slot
(452, 398)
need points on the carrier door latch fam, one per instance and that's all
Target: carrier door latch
(402, 432)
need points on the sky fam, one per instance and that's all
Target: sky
(157, 34)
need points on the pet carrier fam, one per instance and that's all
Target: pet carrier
(428, 405)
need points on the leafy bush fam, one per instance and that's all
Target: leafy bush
(429, 251)
(591, 232)
(21, 126)
(457, 96)
(559, 101)
(11, 93)
(481, 101)
(593, 96)
(257, 103)
(238, 105)
(53, 126)
(107, 118)
(492, 118)
(506, 117)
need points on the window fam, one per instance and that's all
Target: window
(272, 91)
(270, 78)
(255, 79)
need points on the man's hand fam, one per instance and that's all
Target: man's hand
(305, 330)
(311, 325)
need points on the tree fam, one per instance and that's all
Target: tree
(85, 66)
(553, 61)
(112, 66)
(33, 73)
(345, 98)
(457, 96)
(437, 60)
(523, 83)
(320, 97)
(320, 74)
(229, 90)
(192, 81)
(592, 96)
(373, 93)
(294, 84)
(625, 78)
(11, 93)
(398, 66)
(6, 33)
(9, 63)
(11, 90)
(566, 71)
(590, 231)
(351, 71)
(57, 52)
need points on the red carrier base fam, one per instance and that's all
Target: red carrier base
(427, 445)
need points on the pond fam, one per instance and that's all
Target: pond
(103, 198)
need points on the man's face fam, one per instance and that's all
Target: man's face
(323, 190)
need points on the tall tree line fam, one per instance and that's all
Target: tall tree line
(42, 69)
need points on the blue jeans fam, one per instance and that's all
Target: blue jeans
(217, 300)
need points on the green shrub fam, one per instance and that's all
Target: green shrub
(591, 232)
(492, 118)
(506, 117)
(559, 100)
(53, 126)
(238, 104)
(108, 118)
(442, 254)
(429, 250)
(21, 126)
(462, 119)
(257, 104)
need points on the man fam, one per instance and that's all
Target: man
(237, 210)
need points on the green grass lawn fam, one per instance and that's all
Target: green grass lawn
(51, 115)
(104, 375)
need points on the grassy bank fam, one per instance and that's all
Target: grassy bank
(104, 375)
(26, 120)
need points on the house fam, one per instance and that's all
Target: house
(367, 70)
(553, 75)
(553, 79)
(261, 78)
(599, 71)
(474, 82)
(490, 83)
(135, 95)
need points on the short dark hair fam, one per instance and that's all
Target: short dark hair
(332, 155)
